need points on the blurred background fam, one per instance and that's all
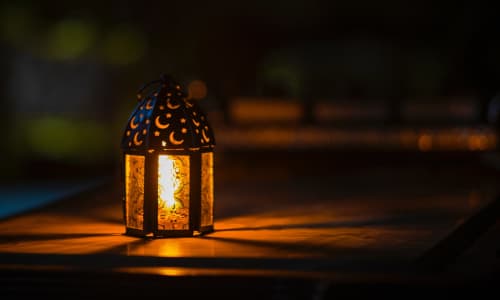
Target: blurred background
(374, 78)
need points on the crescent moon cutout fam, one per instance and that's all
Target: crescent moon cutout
(132, 125)
(196, 123)
(172, 139)
(159, 124)
(137, 142)
(205, 137)
(171, 106)
(148, 105)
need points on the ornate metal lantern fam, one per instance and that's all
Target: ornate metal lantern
(168, 187)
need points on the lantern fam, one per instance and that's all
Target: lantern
(168, 187)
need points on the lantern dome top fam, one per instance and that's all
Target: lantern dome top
(166, 119)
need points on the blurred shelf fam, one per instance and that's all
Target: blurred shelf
(444, 138)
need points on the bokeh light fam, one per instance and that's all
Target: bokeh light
(425, 142)
(66, 138)
(70, 39)
(124, 45)
(16, 23)
(197, 89)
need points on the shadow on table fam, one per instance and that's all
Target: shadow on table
(422, 219)
(50, 236)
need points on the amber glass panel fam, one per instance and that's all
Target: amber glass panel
(173, 192)
(134, 191)
(207, 189)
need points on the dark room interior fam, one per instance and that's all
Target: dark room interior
(225, 149)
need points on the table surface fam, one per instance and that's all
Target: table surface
(269, 220)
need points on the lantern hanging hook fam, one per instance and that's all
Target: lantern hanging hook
(164, 79)
(167, 79)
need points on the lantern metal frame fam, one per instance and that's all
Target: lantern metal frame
(198, 139)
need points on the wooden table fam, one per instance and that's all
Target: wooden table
(374, 220)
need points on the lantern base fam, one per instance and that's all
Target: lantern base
(169, 233)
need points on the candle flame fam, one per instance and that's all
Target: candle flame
(167, 181)
(173, 192)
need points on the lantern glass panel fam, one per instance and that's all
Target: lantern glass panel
(173, 192)
(207, 188)
(134, 191)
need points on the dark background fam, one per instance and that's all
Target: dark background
(360, 130)
(70, 70)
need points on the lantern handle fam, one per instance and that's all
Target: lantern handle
(165, 79)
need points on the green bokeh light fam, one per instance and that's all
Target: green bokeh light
(70, 39)
(123, 45)
(66, 139)
(285, 73)
(16, 23)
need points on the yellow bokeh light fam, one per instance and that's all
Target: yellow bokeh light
(197, 89)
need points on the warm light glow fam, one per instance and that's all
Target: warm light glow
(173, 192)
(134, 193)
(425, 142)
(478, 142)
(255, 110)
(207, 189)
(167, 181)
